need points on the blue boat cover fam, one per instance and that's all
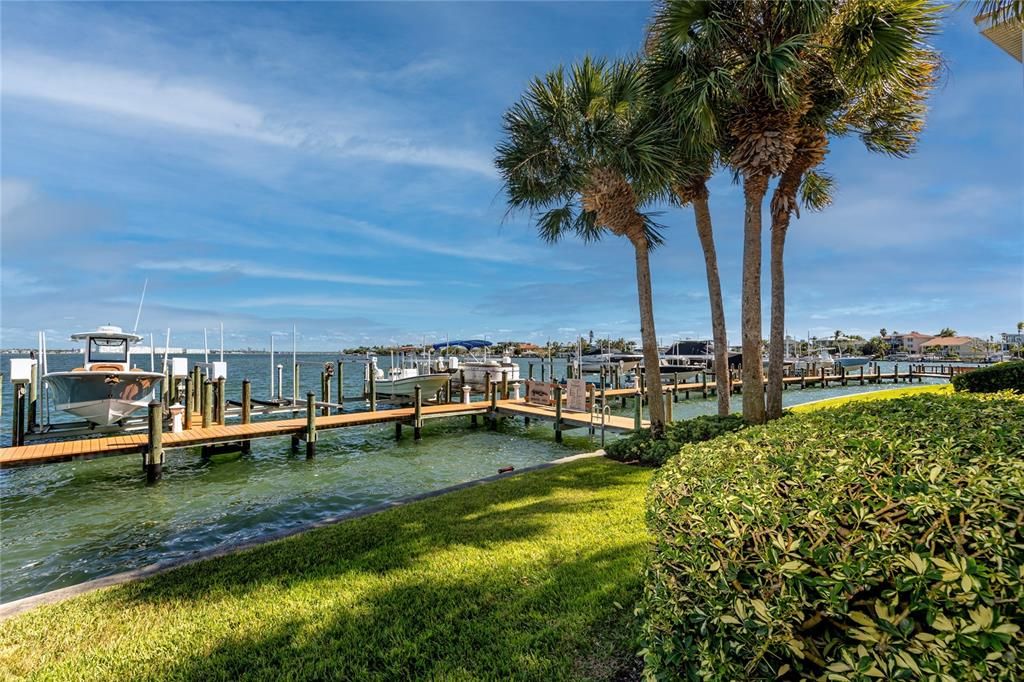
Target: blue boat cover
(469, 344)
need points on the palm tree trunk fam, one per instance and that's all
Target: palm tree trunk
(649, 337)
(754, 189)
(702, 215)
(777, 333)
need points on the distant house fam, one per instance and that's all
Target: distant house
(1011, 341)
(964, 347)
(907, 343)
(527, 349)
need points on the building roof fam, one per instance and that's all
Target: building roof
(949, 341)
(1006, 34)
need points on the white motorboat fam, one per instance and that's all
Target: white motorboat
(476, 371)
(400, 382)
(106, 389)
(853, 361)
(625, 362)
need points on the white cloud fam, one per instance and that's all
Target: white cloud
(182, 103)
(228, 267)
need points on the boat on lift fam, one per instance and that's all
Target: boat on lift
(594, 360)
(399, 382)
(106, 389)
(477, 370)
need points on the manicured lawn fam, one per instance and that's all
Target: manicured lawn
(872, 395)
(533, 577)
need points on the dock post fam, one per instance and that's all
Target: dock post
(558, 413)
(417, 423)
(310, 424)
(197, 390)
(18, 414)
(487, 385)
(341, 386)
(207, 403)
(704, 384)
(188, 402)
(667, 399)
(529, 373)
(325, 392)
(862, 375)
(155, 447)
(221, 401)
(493, 416)
(803, 378)
(466, 398)
(675, 387)
(543, 372)
(896, 373)
(878, 373)
(504, 384)
(373, 388)
(33, 397)
(643, 386)
(824, 382)
(398, 431)
(637, 413)
(910, 374)
(246, 411)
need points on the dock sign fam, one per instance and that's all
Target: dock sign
(539, 393)
(576, 400)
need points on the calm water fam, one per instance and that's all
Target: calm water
(65, 523)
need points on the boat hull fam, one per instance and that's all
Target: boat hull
(853, 362)
(476, 374)
(103, 398)
(405, 387)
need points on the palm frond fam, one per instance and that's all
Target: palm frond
(816, 190)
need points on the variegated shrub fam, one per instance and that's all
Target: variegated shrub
(880, 540)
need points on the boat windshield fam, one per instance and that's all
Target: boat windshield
(107, 350)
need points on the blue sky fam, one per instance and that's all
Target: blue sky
(329, 166)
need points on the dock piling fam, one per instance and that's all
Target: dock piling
(637, 412)
(504, 384)
(221, 401)
(154, 459)
(207, 403)
(310, 424)
(189, 402)
(417, 424)
(340, 378)
(558, 413)
(246, 411)
(18, 414)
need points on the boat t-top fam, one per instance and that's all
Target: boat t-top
(475, 370)
(106, 389)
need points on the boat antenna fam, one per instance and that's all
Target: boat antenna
(138, 314)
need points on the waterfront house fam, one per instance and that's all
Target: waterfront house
(963, 347)
(907, 343)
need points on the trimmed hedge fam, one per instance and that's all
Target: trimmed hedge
(1001, 376)
(875, 540)
(639, 447)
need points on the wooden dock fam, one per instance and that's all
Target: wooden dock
(306, 427)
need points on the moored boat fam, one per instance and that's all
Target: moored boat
(400, 382)
(106, 389)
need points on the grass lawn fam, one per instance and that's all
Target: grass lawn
(533, 577)
(872, 395)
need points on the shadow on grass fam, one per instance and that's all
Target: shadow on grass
(519, 508)
(485, 628)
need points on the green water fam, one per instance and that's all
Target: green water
(65, 523)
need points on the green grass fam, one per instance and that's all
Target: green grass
(533, 577)
(887, 394)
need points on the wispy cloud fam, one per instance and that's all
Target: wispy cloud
(198, 106)
(245, 269)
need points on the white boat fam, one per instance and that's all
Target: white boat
(476, 371)
(400, 382)
(106, 389)
(853, 361)
(594, 362)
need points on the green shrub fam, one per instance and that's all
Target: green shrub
(639, 447)
(998, 377)
(875, 540)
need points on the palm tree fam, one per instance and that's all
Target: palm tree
(740, 71)
(1020, 327)
(947, 331)
(585, 153)
(870, 72)
(698, 157)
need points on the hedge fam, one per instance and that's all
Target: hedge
(999, 377)
(875, 540)
(639, 447)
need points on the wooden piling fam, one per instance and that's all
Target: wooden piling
(246, 411)
(675, 387)
(493, 416)
(487, 385)
(221, 401)
(310, 424)
(637, 412)
(896, 373)
(154, 458)
(188, 402)
(207, 403)
(417, 424)
(504, 384)
(33, 398)
(398, 431)
(325, 392)
(862, 375)
(197, 389)
(704, 385)
(18, 414)
(529, 371)
(842, 373)
(668, 399)
(558, 413)
(372, 397)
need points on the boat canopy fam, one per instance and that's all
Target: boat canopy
(107, 332)
(468, 344)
